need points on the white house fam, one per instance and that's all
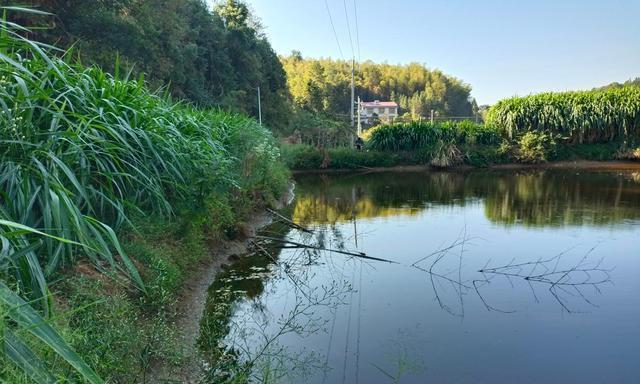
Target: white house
(385, 111)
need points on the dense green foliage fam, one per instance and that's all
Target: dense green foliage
(308, 157)
(212, 58)
(592, 125)
(318, 129)
(219, 57)
(439, 144)
(576, 117)
(323, 86)
(451, 143)
(80, 152)
(535, 147)
(417, 135)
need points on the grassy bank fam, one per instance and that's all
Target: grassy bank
(109, 194)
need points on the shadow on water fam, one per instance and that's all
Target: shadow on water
(293, 310)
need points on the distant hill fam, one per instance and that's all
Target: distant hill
(324, 86)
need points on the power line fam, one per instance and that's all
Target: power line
(355, 12)
(346, 15)
(333, 27)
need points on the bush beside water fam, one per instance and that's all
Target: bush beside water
(517, 131)
(417, 135)
(308, 157)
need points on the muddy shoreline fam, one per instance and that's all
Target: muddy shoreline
(579, 164)
(192, 298)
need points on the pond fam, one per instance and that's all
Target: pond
(445, 277)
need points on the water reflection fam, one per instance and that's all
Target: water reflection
(496, 277)
(240, 335)
(534, 198)
(569, 278)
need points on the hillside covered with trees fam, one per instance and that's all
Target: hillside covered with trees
(324, 85)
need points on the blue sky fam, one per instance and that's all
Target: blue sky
(502, 48)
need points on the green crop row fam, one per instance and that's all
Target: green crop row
(417, 135)
(598, 116)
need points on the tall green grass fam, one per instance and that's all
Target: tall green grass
(80, 150)
(417, 135)
(598, 116)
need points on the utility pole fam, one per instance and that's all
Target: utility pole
(353, 90)
(359, 119)
(259, 108)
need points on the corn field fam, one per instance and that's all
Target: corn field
(79, 151)
(417, 135)
(578, 117)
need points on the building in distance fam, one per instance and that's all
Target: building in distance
(372, 112)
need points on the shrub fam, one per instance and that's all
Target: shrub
(301, 156)
(596, 152)
(344, 157)
(485, 155)
(445, 154)
(535, 147)
(629, 154)
(416, 135)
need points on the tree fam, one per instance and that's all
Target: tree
(210, 58)
(323, 86)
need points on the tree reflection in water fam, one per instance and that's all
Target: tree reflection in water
(532, 198)
(241, 337)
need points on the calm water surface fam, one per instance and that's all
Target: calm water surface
(496, 277)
